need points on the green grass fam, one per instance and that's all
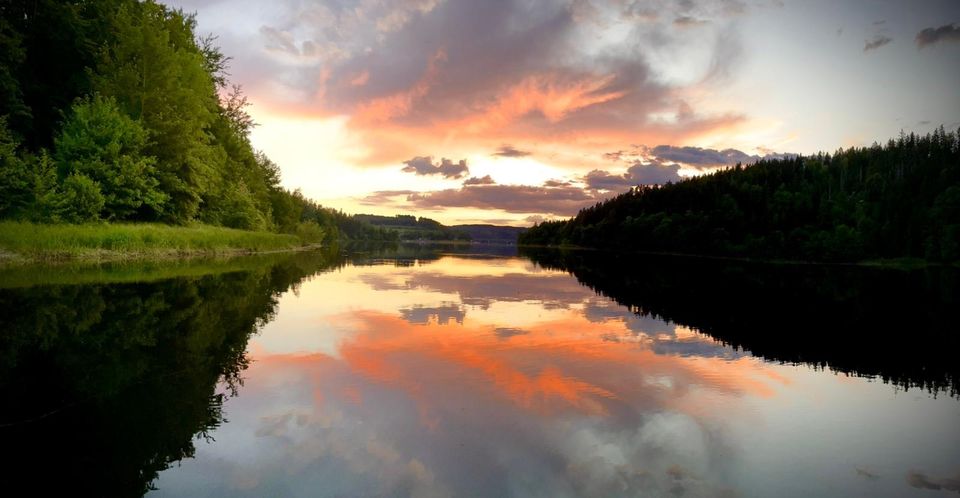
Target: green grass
(77, 272)
(107, 241)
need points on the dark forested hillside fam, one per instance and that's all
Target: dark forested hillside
(491, 234)
(407, 227)
(119, 110)
(901, 199)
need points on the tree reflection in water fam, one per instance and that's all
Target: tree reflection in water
(104, 385)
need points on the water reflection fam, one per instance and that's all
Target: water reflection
(898, 325)
(439, 374)
(104, 385)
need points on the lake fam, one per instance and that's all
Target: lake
(457, 371)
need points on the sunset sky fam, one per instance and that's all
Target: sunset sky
(513, 111)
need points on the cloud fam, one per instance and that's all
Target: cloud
(507, 72)
(724, 64)
(425, 166)
(508, 332)
(945, 33)
(485, 180)
(554, 291)
(877, 42)
(560, 197)
(638, 174)
(420, 315)
(560, 201)
(385, 197)
(510, 151)
(688, 22)
(920, 480)
(535, 218)
(696, 156)
(866, 474)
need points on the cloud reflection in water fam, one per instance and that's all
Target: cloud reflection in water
(483, 379)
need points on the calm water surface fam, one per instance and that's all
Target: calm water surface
(443, 374)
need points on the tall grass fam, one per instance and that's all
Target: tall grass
(77, 272)
(132, 240)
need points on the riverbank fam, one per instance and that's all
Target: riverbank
(889, 263)
(151, 270)
(31, 243)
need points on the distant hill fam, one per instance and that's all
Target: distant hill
(491, 234)
(413, 228)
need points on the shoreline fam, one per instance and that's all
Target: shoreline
(11, 259)
(905, 264)
(28, 243)
(71, 272)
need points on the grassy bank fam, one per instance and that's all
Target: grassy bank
(26, 242)
(79, 272)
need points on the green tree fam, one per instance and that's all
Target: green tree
(45, 196)
(103, 144)
(158, 75)
(15, 176)
(81, 200)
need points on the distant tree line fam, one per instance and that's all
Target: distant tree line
(408, 227)
(117, 110)
(901, 199)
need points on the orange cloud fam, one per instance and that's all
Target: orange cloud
(399, 104)
(546, 93)
(555, 367)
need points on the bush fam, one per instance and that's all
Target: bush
(239, 209)
(14, 176)
(309, 232)
(82, 200)
(105, 145)
(44, 200)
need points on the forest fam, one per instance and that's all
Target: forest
(118, 110)
(896, 200)
(408, 227)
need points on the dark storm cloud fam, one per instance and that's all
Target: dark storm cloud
(877, 42)
(638, 174)
(447, 168)
(485, 180)
(945, 33)
(510, 151)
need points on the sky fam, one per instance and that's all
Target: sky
(515, 111)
